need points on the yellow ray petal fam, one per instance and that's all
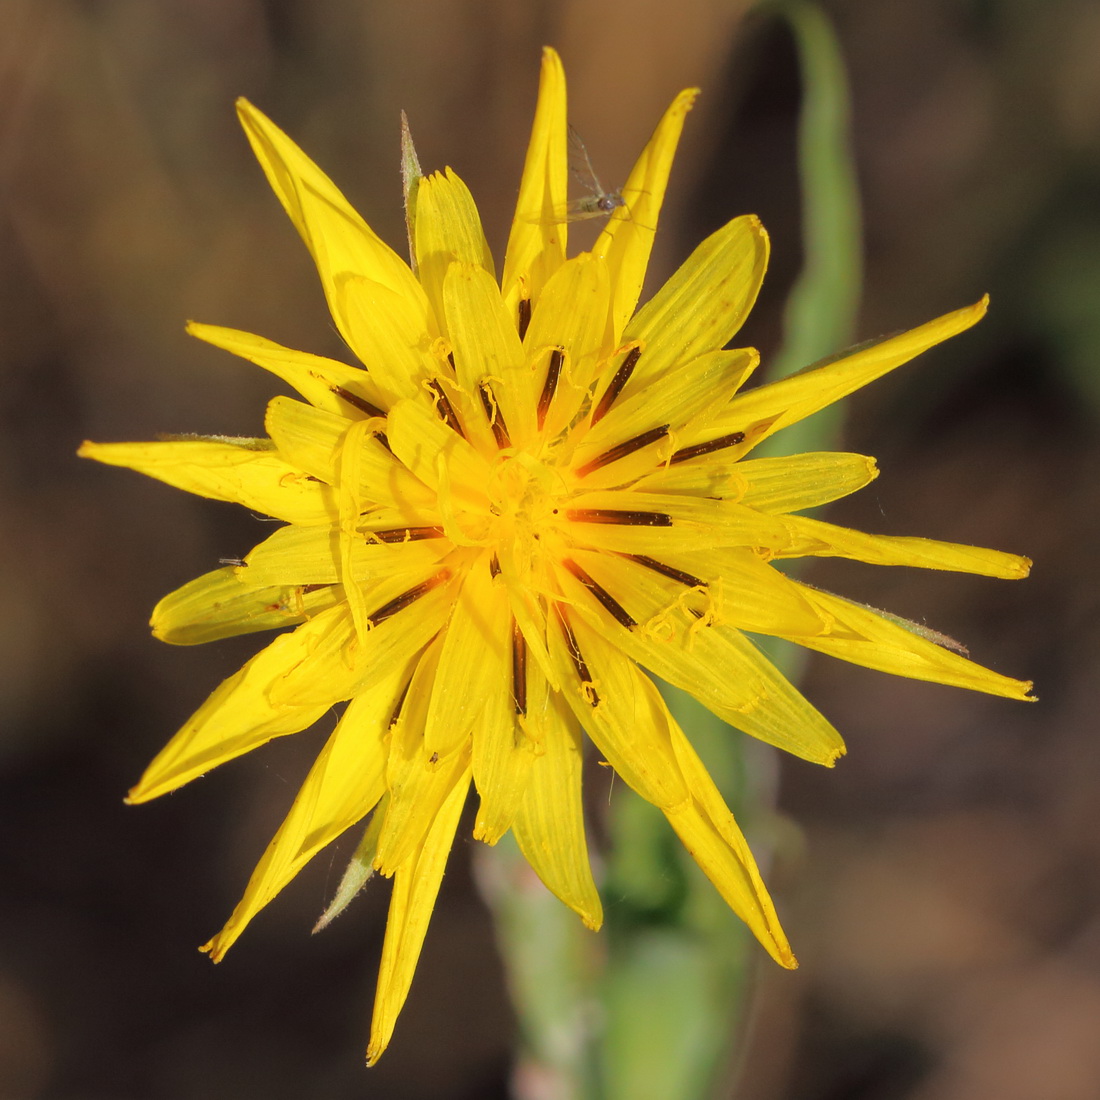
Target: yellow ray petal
(489, 359)
(794, 482)
(627, 239)
(221, 605)
(711, 835)
(704, 304)
(340, 241)
(866, 637)
(792, 399)
(689, 392)
(448, 229)
(243, 471)
(241, 714)
(311, 439)
(717, 664)
(813, 536)
(310, 555)
(549, 826)
(343, 785)
(620, 708)
(473, 660)
(407, 610)
(536, 243)
(415, 887)
(316, 378)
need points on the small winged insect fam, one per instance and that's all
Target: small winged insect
(596, 202)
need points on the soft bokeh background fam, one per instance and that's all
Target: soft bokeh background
(941, 886)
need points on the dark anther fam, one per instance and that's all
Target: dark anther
(519, 669)
(400, 703)
(609, 603)
(615, 386)
(618, 515)
(399, 603)
(621, 450)
(405, 534)
(669, 571)
(553, 371)
(576, 657)
(698, 449)
(524, 316)
(492, 411)
(360, 403)
(444, 408)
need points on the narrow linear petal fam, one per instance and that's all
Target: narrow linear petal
(867, 637)
(792, 399)
(536, 243)
(221, 605)
(814, 536)
(549, 826)
(241, 714)
(448, 229)
(415, 887)
(344, 784)
(704, 304)
(243, 471)
(627, 239)
(319, 380)
(711, 835)
(794, 482)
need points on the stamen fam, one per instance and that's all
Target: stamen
(494, 566)
(623, 449)
(669, 571)
(577, 659)
(519, 669)
(609, 603)
(618, 515)
(384, 440)
(698, 449)
(444, 408)
(358, 402)
(524, 316)
(405, 534)
(553, 371)
(615, 387)
(399, 603)
(400, 703)
(492, 411)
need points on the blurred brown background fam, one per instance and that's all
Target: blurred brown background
(944, 892)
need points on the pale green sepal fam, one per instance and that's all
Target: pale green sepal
(359, 871)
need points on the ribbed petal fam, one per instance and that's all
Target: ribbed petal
(866, 637)
(472, 660)
(316, 378)
(794, 482)
(711, 835)
(704, 304)
(536, 244)
(622, 712)
(415, 888)
(448, 229)
(243, 471)
(627, 239)
(549, 827)
(340, 241)
(242, 713)
(812, 536)
(716, 664)
(221, 605)
(792, 399)
(489, 358)
(343, 785)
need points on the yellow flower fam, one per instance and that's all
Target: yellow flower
(533, 489)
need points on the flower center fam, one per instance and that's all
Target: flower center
(525, 495)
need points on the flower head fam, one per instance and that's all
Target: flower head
(528, 492)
